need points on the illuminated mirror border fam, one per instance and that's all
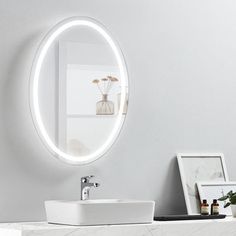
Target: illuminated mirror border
(34, 89)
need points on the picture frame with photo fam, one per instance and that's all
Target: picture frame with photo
(199, 167)
(210, 191)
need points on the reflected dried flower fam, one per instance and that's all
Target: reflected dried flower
(96, 81)
(105, 84)
(113, 79)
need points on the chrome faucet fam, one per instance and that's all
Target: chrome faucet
(86, 186)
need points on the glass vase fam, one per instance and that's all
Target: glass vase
(105, 107)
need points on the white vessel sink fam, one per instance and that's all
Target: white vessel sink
(98, 212)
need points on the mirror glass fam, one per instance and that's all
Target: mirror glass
(79, 90)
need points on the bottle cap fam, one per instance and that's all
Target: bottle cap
(215, 201)
(204, 201)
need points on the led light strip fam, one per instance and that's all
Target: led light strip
(59, 29)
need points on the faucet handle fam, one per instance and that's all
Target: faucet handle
(86, 179)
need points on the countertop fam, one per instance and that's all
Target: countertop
(221, 227)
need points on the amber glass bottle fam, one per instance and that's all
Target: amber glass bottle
(204, 207)
(215, 208)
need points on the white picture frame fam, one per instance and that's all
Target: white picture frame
(210, 191)
(199, 167)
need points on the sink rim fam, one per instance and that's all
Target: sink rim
(101, 201)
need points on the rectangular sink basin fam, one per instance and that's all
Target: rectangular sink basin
(99, 212)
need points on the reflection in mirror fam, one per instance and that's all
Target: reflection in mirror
(79, 91)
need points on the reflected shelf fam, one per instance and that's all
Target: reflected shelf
(92, 116)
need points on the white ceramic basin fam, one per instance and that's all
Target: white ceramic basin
(98, 212)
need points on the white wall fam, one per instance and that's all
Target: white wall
(181, 58)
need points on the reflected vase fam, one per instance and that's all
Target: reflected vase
(125, 108)
(105, 107)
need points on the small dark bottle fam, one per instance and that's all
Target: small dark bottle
(215, 208)
(204, 207)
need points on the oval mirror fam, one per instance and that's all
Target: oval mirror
(79, 90)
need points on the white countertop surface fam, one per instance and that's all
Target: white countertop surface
(222, 227)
